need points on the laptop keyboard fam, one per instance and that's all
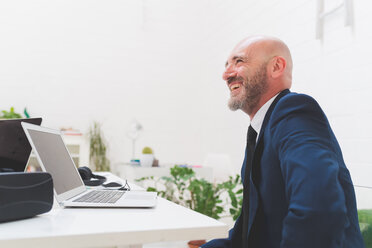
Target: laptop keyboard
(101, 196)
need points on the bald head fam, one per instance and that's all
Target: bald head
(266, 48)
(263, 65)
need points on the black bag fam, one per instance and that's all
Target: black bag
(23, 195)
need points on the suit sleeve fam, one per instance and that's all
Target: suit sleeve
(310, 162)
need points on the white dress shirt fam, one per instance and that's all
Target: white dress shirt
(259, 117)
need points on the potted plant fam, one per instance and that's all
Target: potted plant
(11, 114)
(211, 199)
(98, 149)
(147, 157)
(365, 223)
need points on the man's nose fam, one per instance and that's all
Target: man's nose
(228, 73)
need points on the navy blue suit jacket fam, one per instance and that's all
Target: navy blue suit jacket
(301, 193)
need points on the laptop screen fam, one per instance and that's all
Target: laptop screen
(56, 160)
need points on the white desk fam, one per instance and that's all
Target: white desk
(131, 227)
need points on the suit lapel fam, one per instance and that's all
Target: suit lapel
(254, 195)
(268, 114)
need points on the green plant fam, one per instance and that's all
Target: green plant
(10, 114)
(184, 188)
(365, 222)
(147, 150)
(13, 115)
(98, 149)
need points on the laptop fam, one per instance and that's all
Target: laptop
(15, 149)
(69, 188)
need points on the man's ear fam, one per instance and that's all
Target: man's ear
(277, 66)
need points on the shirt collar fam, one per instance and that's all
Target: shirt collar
(259, 117)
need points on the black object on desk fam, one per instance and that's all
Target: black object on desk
(14, 146)
(89, 178)
(24, 195)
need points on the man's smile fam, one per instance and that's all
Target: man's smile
(235, 87)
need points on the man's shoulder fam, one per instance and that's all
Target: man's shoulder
(295, 101)
(294, 96)
(294, 111)
(294, 104)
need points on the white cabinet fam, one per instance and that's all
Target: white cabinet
(77, 145)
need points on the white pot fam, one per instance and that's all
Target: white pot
(146, 160)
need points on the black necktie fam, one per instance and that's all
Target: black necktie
(251, 142)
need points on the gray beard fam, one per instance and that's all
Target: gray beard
(254, 89)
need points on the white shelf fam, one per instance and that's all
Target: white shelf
(77, 145)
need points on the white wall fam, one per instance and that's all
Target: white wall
(161, 62)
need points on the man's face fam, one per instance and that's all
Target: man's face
(246, 78)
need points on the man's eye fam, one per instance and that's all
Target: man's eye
(238, 61)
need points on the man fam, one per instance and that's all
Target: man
(297, 190)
